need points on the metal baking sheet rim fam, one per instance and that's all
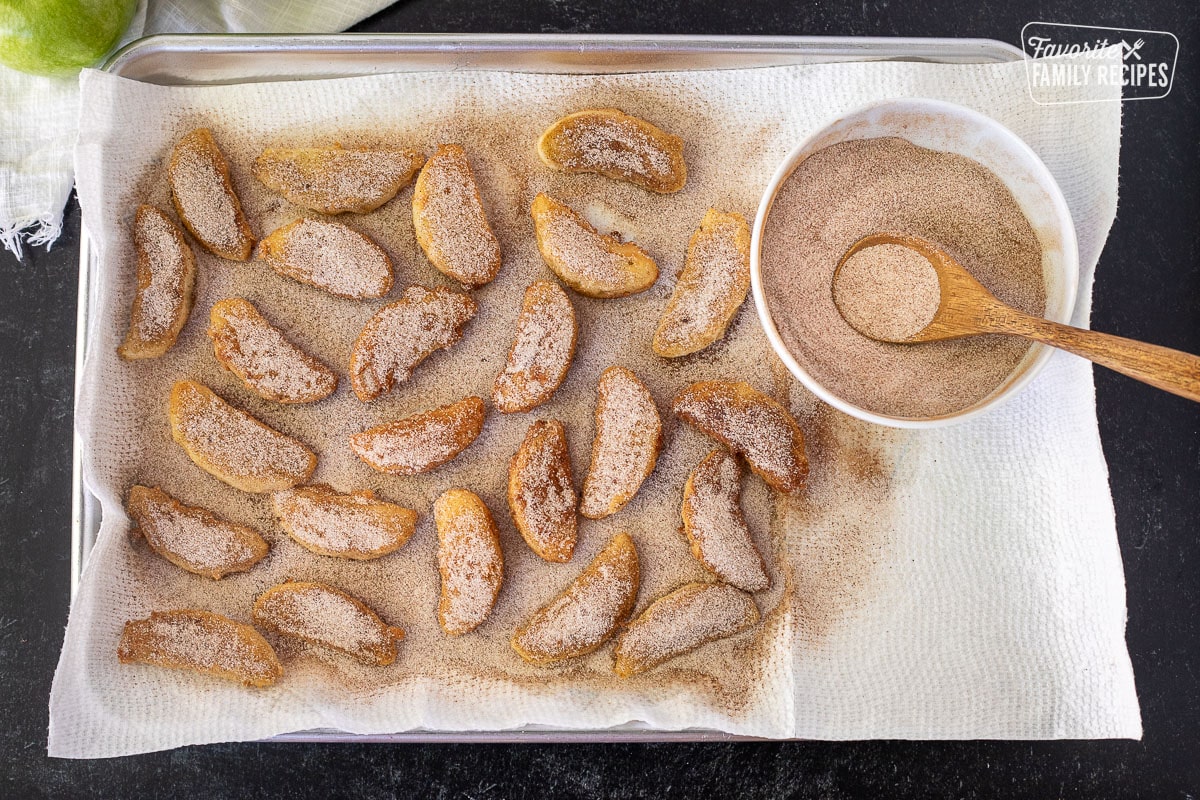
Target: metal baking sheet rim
(547, 52)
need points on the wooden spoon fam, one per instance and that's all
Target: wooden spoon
(967, 309)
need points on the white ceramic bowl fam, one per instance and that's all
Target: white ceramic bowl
(953, 129)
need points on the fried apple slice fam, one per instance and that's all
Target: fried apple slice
(626, 444)
(258, 353)
(330, 256)
(541, 352)
(591, 263)
(204, 197)
(692, 615)
(449, 220)
(202, 641)
(614, 144)
(715, 527)
(233, 446)
(711, 287)
(750, 424)
(192, 538)
(166, 283)
(469, 560)
(587, 613)
(541, 491)
(355, 525)
(322, 615)
(334, 181)
(423, 441)
(403, 334)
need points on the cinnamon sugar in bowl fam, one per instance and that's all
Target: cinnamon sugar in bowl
(927, 168)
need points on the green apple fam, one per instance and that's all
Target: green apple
(58, 37)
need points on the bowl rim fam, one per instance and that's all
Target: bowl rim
(1045, 180)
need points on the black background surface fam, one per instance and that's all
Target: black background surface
(1148, 287)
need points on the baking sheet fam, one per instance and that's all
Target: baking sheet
(224, 59)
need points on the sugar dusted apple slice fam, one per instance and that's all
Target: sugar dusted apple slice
(332, 180)
(203, 642)
(403, 334)
(268, 363)
(715, 526)
(450, 223)
(204, 197)
(591, 263)
(541, 491)
(233, 446)
(689, 617)
(711, 287)
(330, 256)
(750, 424)
(423, 441)
(609, 142)
(625, 447)
(470, 561)
(322, 615)
(166, 282)
(588, 612)
(193, 538)
(541, 352)
(356, 525)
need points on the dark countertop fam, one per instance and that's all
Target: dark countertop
(1148, 287)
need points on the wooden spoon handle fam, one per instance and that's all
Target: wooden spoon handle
(1171, 370)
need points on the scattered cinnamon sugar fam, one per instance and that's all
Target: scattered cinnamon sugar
(848, 190)
(713, 521)
(404, 587)
(887, 291)
(685, 619)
